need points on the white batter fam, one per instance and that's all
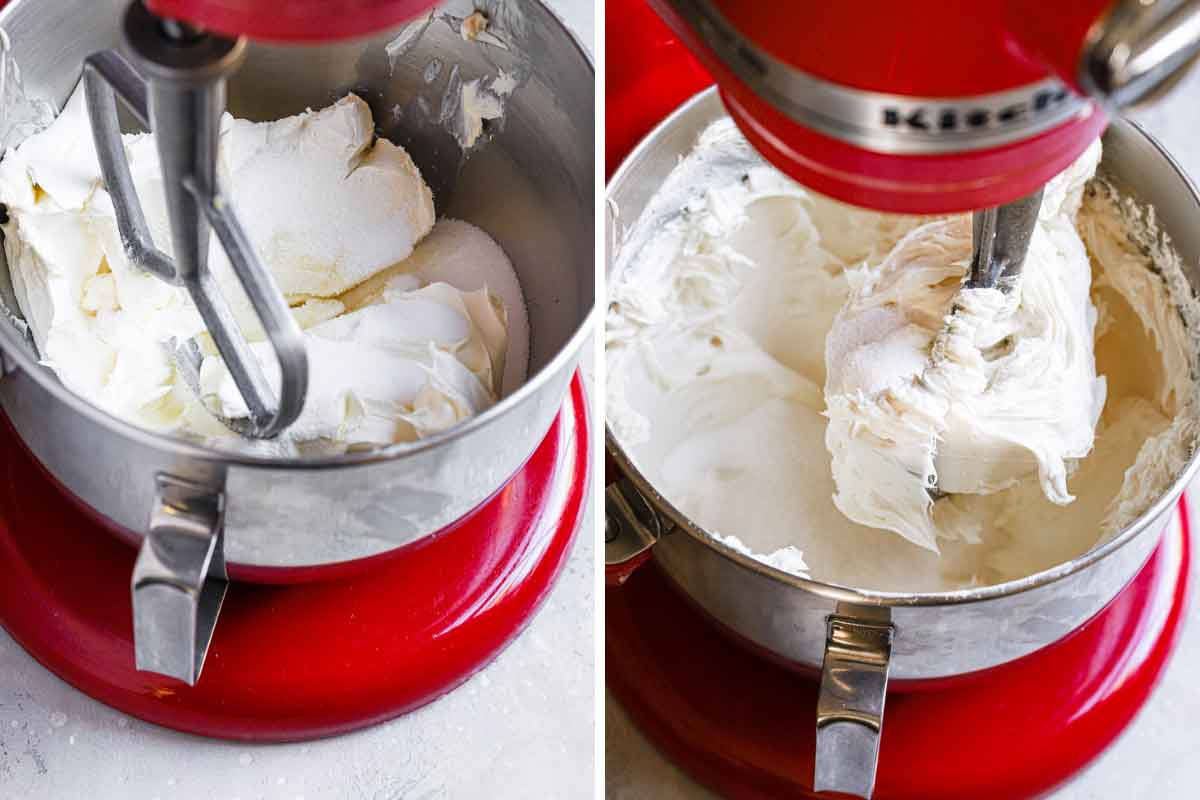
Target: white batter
(410, 327)
(717, 341)
(969, 390)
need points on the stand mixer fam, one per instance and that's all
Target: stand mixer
(438, 550)
(910, 108)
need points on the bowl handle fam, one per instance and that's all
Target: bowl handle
(179, 580)
(7, 364)
(854, 676)
(631, 528)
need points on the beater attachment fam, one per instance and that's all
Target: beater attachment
(177, 90)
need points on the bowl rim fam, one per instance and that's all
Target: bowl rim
(707, 102)
(13, 353)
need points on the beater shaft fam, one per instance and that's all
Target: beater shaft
(999, 241)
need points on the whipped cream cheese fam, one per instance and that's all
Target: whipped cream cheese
(481, 100)
(328, 207)
(931, 384)
(738, 310)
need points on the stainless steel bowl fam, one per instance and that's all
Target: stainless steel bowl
(861, 637)
(530, 184)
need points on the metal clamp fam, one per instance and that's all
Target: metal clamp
(854, 677)
(182, 102)
(179, 580)
(631, 529)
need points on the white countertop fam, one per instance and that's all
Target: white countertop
(1156, 757)
(522, 727)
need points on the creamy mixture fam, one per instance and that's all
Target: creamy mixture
(974, 390)
(410, 325)
(781, 368)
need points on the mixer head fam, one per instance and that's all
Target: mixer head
(927, 106)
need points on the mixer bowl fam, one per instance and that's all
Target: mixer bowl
(909, 636)
(529, 182)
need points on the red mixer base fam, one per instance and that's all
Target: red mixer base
(303, 661)
(745, 727)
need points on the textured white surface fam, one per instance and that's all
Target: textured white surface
(523, 727)
(1154, 758)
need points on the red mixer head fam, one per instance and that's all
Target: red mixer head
(928, 106)
(291, 20)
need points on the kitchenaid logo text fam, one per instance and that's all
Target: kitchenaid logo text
(941, 117)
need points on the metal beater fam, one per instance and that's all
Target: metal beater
(177, 90)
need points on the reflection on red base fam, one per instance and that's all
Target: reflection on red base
(296, 662)
(745, 726)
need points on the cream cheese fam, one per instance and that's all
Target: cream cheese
(931, 384)
(721, 318)
(328, 207)
(414, 363)
(481, 100)
(325, 203)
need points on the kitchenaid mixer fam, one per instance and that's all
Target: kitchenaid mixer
(832, 136)
(503, 522)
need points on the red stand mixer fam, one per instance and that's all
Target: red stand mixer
(323, 594)
(915, 108)
(930, 107)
